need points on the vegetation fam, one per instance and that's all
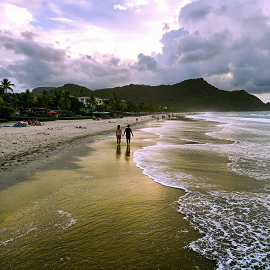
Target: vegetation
(92, 102)
(189, 95)
(5, 86)
(20, 106)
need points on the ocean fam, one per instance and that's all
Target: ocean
(222, 162)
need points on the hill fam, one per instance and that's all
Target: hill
(74, 89)
(191, 95)
(188, 95)
(39, 90)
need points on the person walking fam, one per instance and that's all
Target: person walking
(128, 131)
(119, 134)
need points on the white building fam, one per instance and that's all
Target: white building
(84, 100)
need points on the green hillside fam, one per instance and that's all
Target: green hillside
(39, 90)
(191, 95)
(74, 89)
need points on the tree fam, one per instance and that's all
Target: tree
(45, 98)
(65, 101)
(56, 98)
(130, 106)
(26, 99)
(92, 102)
(81, 93)
(141, 107)
(6, 112)
(2, 102)
(15, 102)
(76, 105)
(6, 85)
(116, 102)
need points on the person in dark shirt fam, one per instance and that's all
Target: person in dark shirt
(127, 132)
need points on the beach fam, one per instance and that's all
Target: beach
(188, 193)
(17, 142)
(86, 205)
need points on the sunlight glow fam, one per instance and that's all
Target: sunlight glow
(130, 4)
(20, 16)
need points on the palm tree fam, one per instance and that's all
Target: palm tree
(27, 99)
(65, 101)
(2, 102)
(6, 85)
(92, 102)
(56, 98)
(116, 102)
(45, 98)
(16, 103)
(81, 93)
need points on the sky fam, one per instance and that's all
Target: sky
(108, 43)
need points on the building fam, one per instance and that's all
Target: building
(84, 100)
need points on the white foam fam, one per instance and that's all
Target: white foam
(20, 235)
(235, 227)
(67, 223)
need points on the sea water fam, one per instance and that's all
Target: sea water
(222, 161)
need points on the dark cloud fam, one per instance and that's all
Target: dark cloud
(31, 49)
(195, 48)
(28, 35)
(166, 27)
(195, 11)
(146, 62)
(114, 61)
(47, 66)
(168, 38)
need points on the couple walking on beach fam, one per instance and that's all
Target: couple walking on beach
(119, 134)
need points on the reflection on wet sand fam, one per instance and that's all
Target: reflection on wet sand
(118, 151)
(128, 151)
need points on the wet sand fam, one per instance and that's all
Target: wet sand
(17, 142)
(86, 205)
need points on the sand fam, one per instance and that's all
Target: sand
(85, 205)
(23, 141)
(78, 201)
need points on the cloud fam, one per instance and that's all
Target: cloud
(195, 11)
(18, 15)
(43, 65)
(166, 26)
(131, 4)
(168, 39)
(31, 49)
(146, 62)
(112, 43)
(28, 35)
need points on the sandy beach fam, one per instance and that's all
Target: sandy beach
(19, 142)
(85, 205)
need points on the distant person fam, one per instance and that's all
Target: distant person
(119, 134)
(128, 131)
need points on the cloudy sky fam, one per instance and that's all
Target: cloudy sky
(110, 43)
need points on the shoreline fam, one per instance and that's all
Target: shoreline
(19, 142)
(22, 161)
(87, 203)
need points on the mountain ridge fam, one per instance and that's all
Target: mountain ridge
(190, 95)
